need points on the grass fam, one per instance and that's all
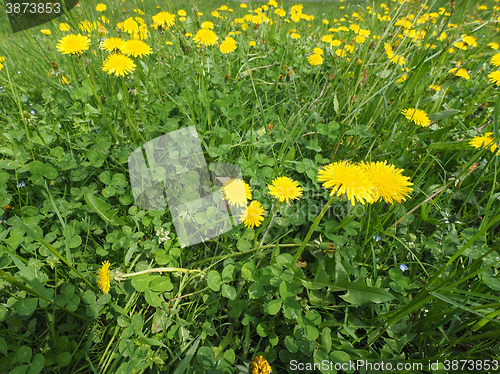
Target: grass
(410, 278)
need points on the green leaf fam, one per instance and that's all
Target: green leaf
(290, 344)
(229, 356)
(443, 115)
(161, 284)
(291, 308)
(273, 307)
(214, 280)
(248, 271)
(141, 282)
(228, 273)
(24, 354)
(228, 291)
(326, 339)
(359, 293)
(21, 369)
(36, 366)
(205, 357)
(3, 346)
(26, 307)
(243, 244)
(153, 298)
(63, 359)
(104, 210)
(186, 362)
(255, 290)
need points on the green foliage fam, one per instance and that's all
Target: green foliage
(411, 281)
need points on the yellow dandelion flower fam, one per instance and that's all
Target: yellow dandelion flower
(164, 18)
(495, 60)
(460, 72)
(388, 182)
(73, 44)
(418, 116)
(364, 32)
(228, 45)
(335, 43)
(64, 80)
(359, 39)
(118, 64)
(252, 43)
(295, 36)
(236, 192)
(315, 59)
(346, 177)
(327, 38)
(131, 25)
(285, 189)
(318, 51)
(207, 25)
(243, 5)
(63, 26)
(470, 40)
(205, 37)
(182, 13)
(253, 215)
(103, 277)
(272, 3)
(259, 365)
(494, 77)
(100, 7)
(435, 87)
(112, 44)
(45, 32)
(340, 53)
(486, 140)
(136, 48)
(494, 45)
(402, 78)
(398, 60)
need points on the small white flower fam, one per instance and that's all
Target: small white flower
(163, 235)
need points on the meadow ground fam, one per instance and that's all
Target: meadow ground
(353, 217)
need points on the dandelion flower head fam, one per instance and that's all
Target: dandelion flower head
(228, 45)
(118, 64)
(136, 48)
(236, 192)
(418, 116)
(346, 177)
(205, 37)
(259, 365)
(73, 44)
(285, 189)
(388, 182)
(253, 215)
(486, 140)
(103, 277)
(494, 77)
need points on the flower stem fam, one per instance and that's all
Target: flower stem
(160, 270)
(266, 223)
(311, 230)
(101, 106)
